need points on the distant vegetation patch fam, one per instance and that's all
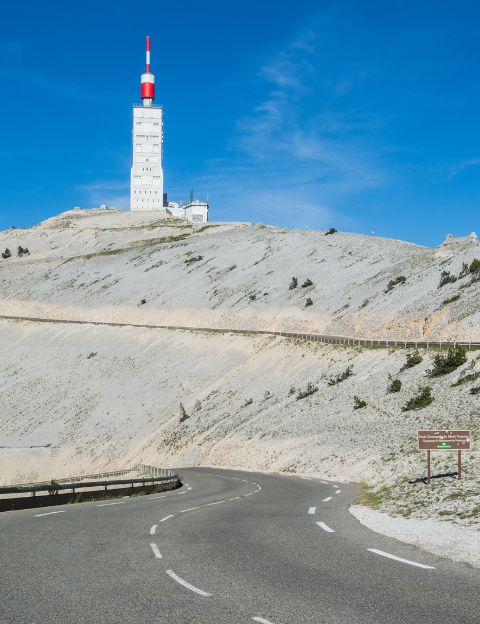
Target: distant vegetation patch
(395, 385)
(336, 379)
(293, 284)
(330, 231)
(22, 251)
(193, 259)
(308, 282)
(310, 389)
(466, 379)
(6, 254)
(308, 302)
(451, 299)
(423, 398)
(445, 364)
(358, 403)
(412, 360)
(446, 278)
(401, 279)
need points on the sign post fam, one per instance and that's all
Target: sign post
(444, 440)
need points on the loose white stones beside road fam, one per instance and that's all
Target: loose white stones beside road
(325, 500)
(189, 586)
(325, 527)
(312, 510)
(401, 559)
(156, 551)
(48, 513)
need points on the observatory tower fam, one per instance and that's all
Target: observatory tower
(146, 181)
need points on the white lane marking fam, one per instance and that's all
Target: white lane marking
(236, 498)
(180, 493)
(215, 503)
(306, 478)
(108, 504)
(166, 518)
(261, 620)
(389, 556)
(177, 578)
(153, 529)
(312, 510)
(324, 482)
(156, 552)
(189, 488)
(185, 484)
(325, 500)
(325, 527)
(191, 509)
(48, 513)
(250, 493)
(155, 497)
(337, 491)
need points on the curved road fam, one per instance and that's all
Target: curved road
(228, 547)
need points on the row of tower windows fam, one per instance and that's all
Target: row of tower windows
(145, 192)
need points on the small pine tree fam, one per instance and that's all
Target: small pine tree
(293, 283)
(183, 413)
(308, 302)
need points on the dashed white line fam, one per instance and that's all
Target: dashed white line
(389, 556)
(261, 620)
(249, 494)
(312, 510)
(325, 500)
(337, 491)
(166, 518)
(153, 529)
(48, 513)
(189, 586)
(325, 527)
(215, 503)
(306, 478)
(191, 509)
(156, 552)
(324, 482)
(155, 497)
(108, 504)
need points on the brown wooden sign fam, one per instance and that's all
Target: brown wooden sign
(444, 439)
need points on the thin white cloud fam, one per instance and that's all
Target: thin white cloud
(464, 164)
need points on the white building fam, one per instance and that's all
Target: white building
(146, 182)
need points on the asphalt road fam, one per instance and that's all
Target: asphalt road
(229, 547)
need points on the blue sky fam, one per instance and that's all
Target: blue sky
(359, 115)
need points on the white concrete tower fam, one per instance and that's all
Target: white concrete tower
(146, 181)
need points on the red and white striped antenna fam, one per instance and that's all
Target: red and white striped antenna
(147, 91)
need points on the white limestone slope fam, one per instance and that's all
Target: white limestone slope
(101, 264)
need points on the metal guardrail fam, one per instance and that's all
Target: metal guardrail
(100, 475)
(153, 470)
(44, 487)
(326, 338)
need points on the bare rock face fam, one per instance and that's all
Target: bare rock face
(102, 264)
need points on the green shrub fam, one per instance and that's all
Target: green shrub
(330, 231)
(292, 390)
(193, 259)
(6, 254)
(420, 400)
(451, 299)
(446, 278)
(252, 297)
(466, 379)
(247, 402)
(445, 364)
(310, 389)
(143, 302)
(183, 413)
(464, 271)
(474, 266)
(392, 283)
(307, 282)
(412, 360)
(395, 385)
(348, 372)
(358, 403)
(293, 283)
(53, 487)
(475, 390)
(22, 251)
(308, 302)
